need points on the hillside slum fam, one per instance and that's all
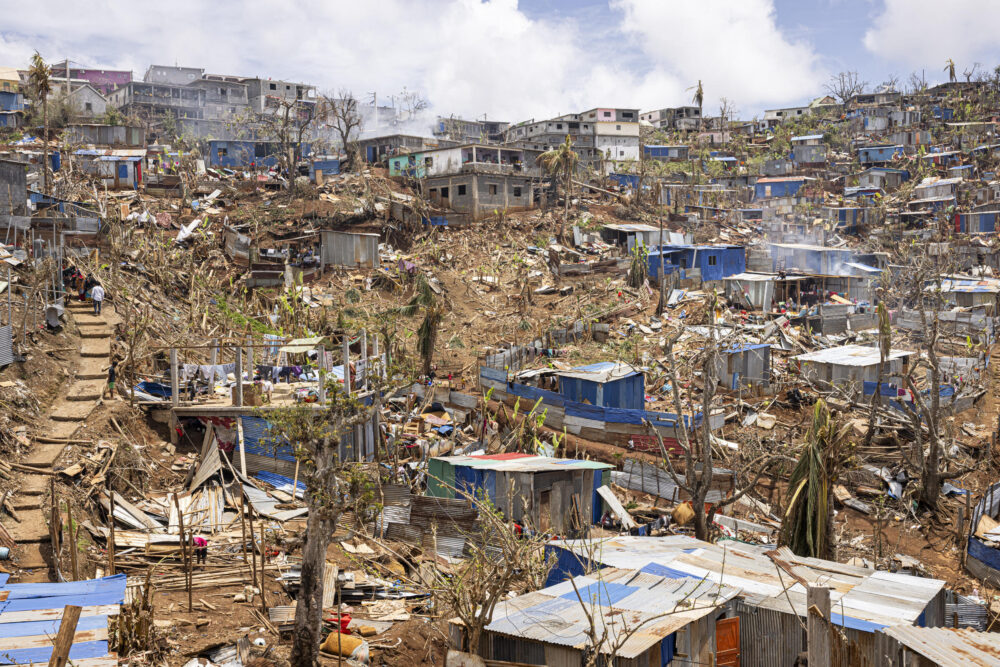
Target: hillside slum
(725, 400)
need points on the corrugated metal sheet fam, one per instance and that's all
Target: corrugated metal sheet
(768, 637)
(6, 346)
(350, 249)
(947, 647)
(657, 607)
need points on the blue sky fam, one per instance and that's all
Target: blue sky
(528, 59)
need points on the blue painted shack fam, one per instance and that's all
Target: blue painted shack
(943, 113)
(608, 384)
(980, 222)
(246, 154)
(666, 153)
(778, 186)
(714, 261)
(327, 164)
(879, 154)
(11, 108)
(542, 492)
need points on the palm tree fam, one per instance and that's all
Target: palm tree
(699, 99)
(433, 314)
(949, 66)
(41, 86)
(807, 528)
(561, 162)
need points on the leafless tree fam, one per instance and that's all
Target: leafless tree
(344, 117)
(699, 466)
(497, 562)
(970, 72)
(845, 85)
(285, 123)
(918, 83)
(891, 82)
(411, 104)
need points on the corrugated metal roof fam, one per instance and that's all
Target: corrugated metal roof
(650, 607)
(605, 371)
(948, 647)
(806, 137)
(634, 227)
(862, 598)
(851, 355)
(524, 463)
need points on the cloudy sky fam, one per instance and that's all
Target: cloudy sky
(516, 60)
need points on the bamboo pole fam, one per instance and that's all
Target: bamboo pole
(185, 553)
(253, 552)
(111, 542)
(263, 560)
(72, 542)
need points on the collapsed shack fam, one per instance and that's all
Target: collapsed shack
(772, 589)
(639, 619)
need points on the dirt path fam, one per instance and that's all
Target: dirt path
(65, 417)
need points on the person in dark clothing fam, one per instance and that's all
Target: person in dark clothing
(112, 374)
(88, 284)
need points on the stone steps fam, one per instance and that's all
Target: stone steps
(33, 528)
(43, 456)
(95, 347)
(86, 390)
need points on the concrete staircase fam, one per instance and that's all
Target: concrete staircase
(66, 415)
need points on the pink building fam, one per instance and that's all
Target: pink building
(104, 80)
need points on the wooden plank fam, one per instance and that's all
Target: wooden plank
(52, 614)
(64, 640)
(616, 506)
(110, 660)
(43, 641)
(818, 631)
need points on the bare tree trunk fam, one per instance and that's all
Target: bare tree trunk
(309, 605)
(45, 146)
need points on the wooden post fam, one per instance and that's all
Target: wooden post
(239, 377)
(213, 360)
(263, 561)
(185, 553)
(175, 398)
(253, 551)
(347, 364)
(321, 371)
(818, 628)
(364, 356)
(295, 481)
(64, 640)
(55, 520)
(243, 525)
(72, 542)
(111, 540)
(251, 363)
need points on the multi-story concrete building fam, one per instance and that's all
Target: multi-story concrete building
(682, 119)
(172, 75)
(600, 136)
(226, 98)
(476, 179)
(265, 95)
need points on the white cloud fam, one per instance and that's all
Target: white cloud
(925, 33)
(468, 57)
(734, 46)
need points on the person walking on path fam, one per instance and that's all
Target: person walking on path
(97, 294)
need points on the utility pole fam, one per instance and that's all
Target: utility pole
(818, 625)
